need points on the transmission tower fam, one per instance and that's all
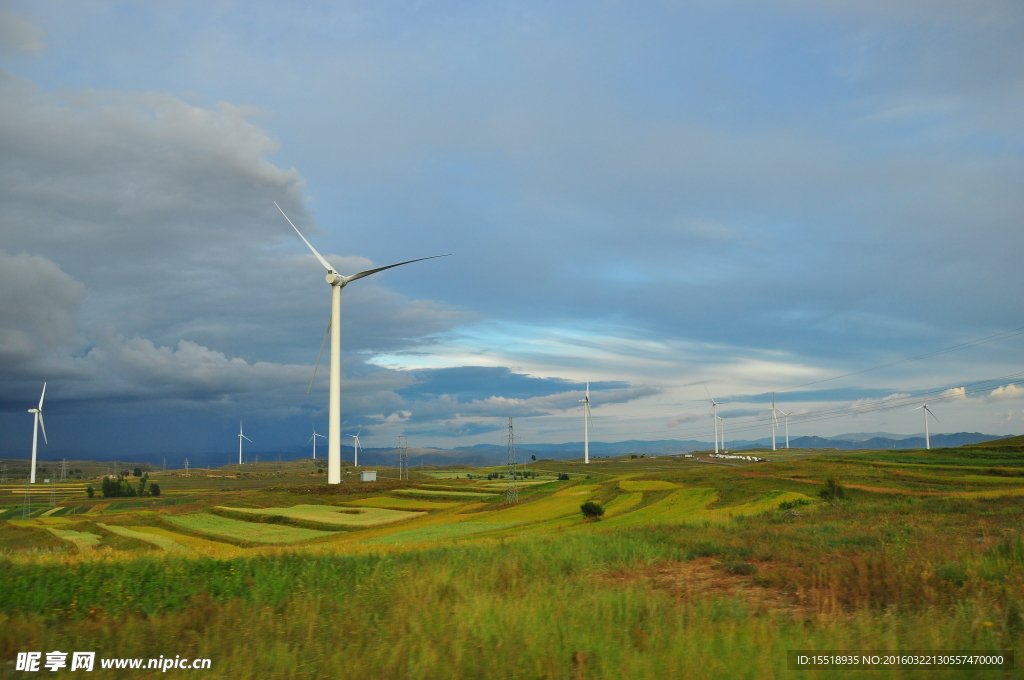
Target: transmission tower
(26, 507)
(64, 470)
(512, 490)
(403, 456)
(3, 475)
(186, 467)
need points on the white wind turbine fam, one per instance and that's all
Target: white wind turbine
(313, 439)
(586, 433)
(786, 416)
(714, 411)
(927, 412)
(36, 426)
(775, 423)
(355, 445)
(337, 282)
(724, 450)
(240, 438)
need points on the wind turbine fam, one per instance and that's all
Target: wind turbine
(337, 282)
(586, 433)
(36, 426)
(775, 423)
(724, 450)
(786, 416)
(313, 439)
(355, 445)
(240, 438)
(927, 412)
(714, 410)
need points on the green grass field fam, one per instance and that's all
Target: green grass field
(697, 570)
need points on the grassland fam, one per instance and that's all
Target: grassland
(698, 570)
(326, 514)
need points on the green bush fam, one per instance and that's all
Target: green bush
(154, 489)
(91, 491)
(833, 491)
(592, 510)
(563, 476)
(790, 505)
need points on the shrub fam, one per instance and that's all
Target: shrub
(833, 491)
(137, 472)
(563, 476)
(89, 490)
(790, 505)
(154, 489)
(633, 456)
(592, 510)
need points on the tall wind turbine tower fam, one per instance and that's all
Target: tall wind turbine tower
(714, 412)
(786, 416)
(927, 412)
(724, 450)
(313, 439)
(355, 445)
(586, 433)
(38, 411)
(240, 438)
(775, 422)
(337, 282)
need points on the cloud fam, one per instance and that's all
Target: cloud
(1010, 391)
(685, 418)
(18, 35)
(38, 306)
(955, 393)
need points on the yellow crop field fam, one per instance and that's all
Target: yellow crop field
(401, 503)
(577, 491)
(245, 531)
(81, 539)
(436, 492)
(440, 532)
(201, 545)
(160, 541)
(623, 503)
(680, 506)
(329, 514)
(551, 507)
(649, 485)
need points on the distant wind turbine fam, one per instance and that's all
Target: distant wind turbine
(355, 445)
(586, 433)
(786, 416)
(724, 450)
(240, 438)
(775, 422)
(714, 411)
(36, 426)
(926, 412)
(313, 439)
(337, 282)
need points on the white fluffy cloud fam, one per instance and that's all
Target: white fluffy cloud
(1010, 391)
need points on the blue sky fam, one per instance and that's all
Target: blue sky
(646, 196)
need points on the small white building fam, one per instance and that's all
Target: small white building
(368, 476)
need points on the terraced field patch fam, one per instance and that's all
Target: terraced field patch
(437, 492)
(769, 501)
(647, 485)
(330, 514)
(623, 503)
(441, 532)
(161, 542)
(201, 545)
(401, 503)
(245, 531)
(680, 506)
(542, 510)
(82, 540)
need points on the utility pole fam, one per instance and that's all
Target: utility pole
(403, 456)
(512, 490)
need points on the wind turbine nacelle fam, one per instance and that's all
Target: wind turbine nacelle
(334, 278)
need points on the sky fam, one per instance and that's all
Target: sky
(653, 197)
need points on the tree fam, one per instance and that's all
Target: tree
(533, 458)
(154, 489)
(592, 510)
(89, 490)
(137, 472)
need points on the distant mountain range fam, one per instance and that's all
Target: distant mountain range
(492, 454)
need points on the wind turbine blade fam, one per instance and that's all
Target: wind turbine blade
(709, 393)
(398, 264)
(927, 409)
(319, 356)
(318, 255)
(310, 439)
(41, 397)
(246, 438)
(43, 426)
